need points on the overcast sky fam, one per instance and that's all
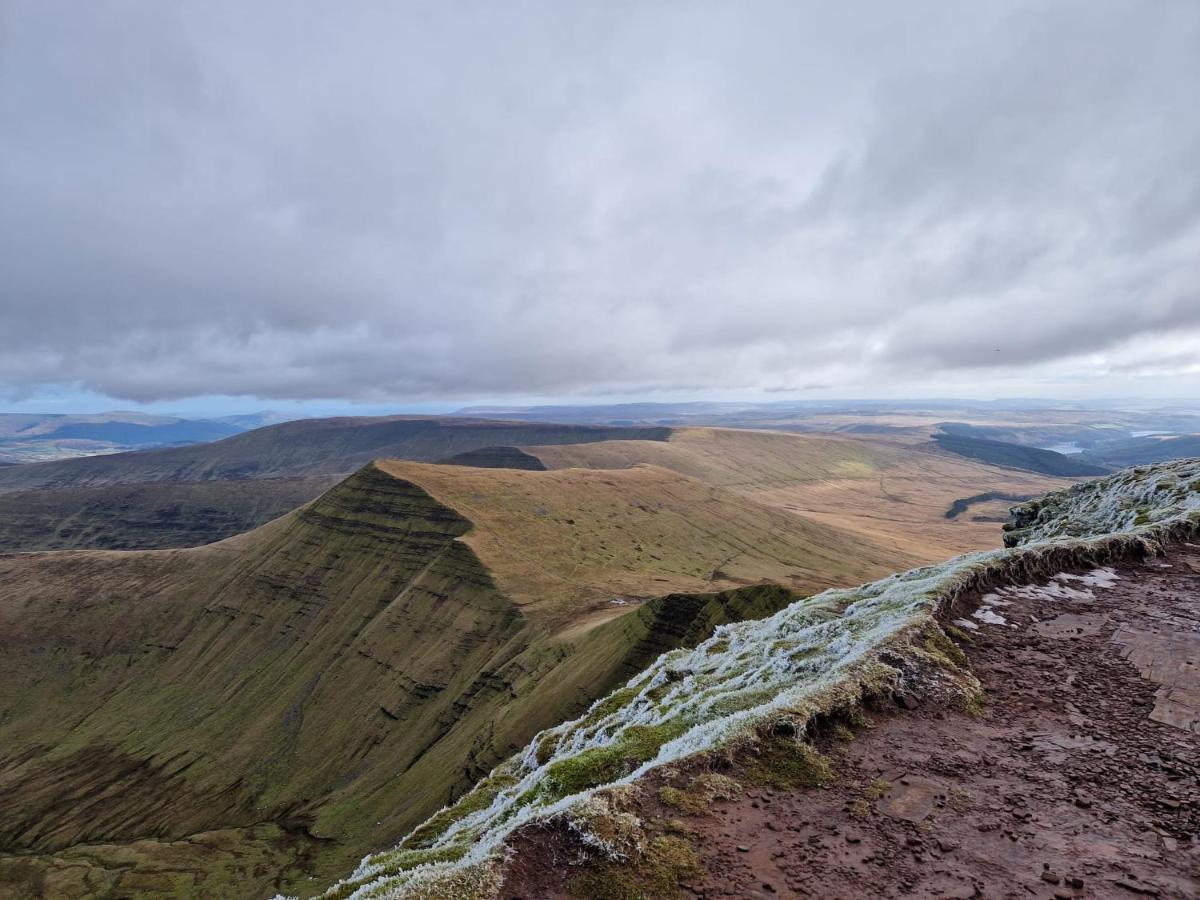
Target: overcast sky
(390, 203)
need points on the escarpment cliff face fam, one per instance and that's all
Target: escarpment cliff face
(158, 694)
(252, 715)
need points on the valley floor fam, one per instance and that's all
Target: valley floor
(1078, 778)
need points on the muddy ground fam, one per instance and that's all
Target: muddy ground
(1079, 778)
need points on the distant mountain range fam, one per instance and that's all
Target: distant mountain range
(39, 438)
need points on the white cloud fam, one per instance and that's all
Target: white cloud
(386, 201)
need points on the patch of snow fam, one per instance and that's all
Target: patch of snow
(988, 617)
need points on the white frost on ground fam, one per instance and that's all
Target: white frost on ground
(1134, 500)
(1065, 586)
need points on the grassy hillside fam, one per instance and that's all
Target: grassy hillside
(29, 438)
(252, 715)
(295, 695)
(497, 458)
(148, 516)
(589, 537)
(1031, 459)
(893, 492)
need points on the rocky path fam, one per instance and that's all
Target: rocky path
(1079, 779)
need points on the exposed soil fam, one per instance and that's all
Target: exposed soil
(1079, 779)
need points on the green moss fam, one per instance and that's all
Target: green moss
(788, 764)
(944, 650)
(975, 703)
(601, 765)
(607, 885)
(394, 863)
(958, 634)
(667, 860)
(402, 860)
(545, 748)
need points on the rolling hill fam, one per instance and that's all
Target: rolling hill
(252, 715)
(309, 447)
(1031, 459)
(187, 496)
(1144, 450)
(894, 491)
(29, 438)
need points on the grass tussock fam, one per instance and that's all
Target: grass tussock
(655, 875)
(698, 797)
(787, 764)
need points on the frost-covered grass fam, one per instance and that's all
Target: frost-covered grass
(809, 658)
(1136, 499)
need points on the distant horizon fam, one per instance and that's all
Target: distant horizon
(216, 408)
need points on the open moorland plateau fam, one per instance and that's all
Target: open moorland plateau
(526, 659)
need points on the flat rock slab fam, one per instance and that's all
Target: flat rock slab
(1170, 659)
(911, 798)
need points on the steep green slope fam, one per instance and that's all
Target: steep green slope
(233, 719)
(148, 516)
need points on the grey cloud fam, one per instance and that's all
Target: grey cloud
(388, 201)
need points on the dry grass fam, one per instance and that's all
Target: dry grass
(886, 491)
(566, 541)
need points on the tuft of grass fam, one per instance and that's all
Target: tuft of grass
(655, 875)
(680, 827)
(958, 634)
(975, 703)
(860, 808)
(877, 788)
(787, 764)
(701, 793)
(959, 799)
(841, 732)
(682, 800)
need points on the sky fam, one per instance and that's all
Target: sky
(225, 205)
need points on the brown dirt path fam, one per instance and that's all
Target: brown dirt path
(1078, 780)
